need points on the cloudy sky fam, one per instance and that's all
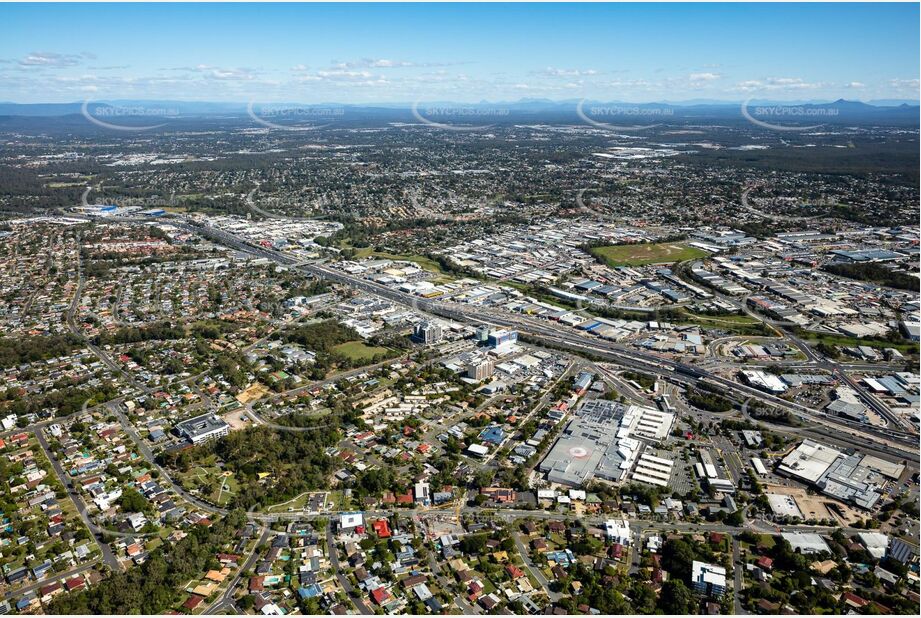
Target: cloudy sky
(359, 53)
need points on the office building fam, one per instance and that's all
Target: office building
(203, 428)
(708, 579)
(480, 370)
(427, 332)
(502, 341)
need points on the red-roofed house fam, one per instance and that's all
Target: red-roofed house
(853, 600)
(50, 590)
(380, 595)
(19, 438)
(382, 528)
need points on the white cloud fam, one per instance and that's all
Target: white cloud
(704, 77)
(347, 75)
(386, 63)
(49, 59)
(777, 84)
(555, 72)
(905, 84)
(383, 63)
(220, 73)
(630, 83)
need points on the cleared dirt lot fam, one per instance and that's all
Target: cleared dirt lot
(237, 420)
(815, 505)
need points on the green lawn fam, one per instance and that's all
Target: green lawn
(423, 262)
(647, 253)
(357, 350)
(531, 290)
(845, 341)
(420, 260)
(740, 324)
(296, 504)
(339, 501)
(211, 482)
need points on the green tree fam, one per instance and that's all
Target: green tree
(676, 598)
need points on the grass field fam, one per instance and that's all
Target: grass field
(530, 290)
(210, 481)
(845, 341)
(421, 261)
(740, 324)
(63, 185)
(295, 504)
(647, 253)
(356, 350)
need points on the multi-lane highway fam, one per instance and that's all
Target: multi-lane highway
(890, 443)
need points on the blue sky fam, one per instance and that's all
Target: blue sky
(353, 53)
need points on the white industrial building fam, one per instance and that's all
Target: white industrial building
(351, 520)
(783, 505)
(202, 428)
(876, 543)
(855, 479)
(806, 542)
(809, 461)
(618, 531)
(765, 381)
(708, 578)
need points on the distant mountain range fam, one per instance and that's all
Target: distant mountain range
(132, 111)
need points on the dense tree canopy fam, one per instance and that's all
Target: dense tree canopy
(154, 586)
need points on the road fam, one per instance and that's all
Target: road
(107, 554)
(818, 361)
(225, 601)
(446, 585)
(70, 319)
(20, 592)
(890, 444)
(148, 454)
(333, 552)
(737, 569)
(536, 572)
(510, 515)
(893, 443)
